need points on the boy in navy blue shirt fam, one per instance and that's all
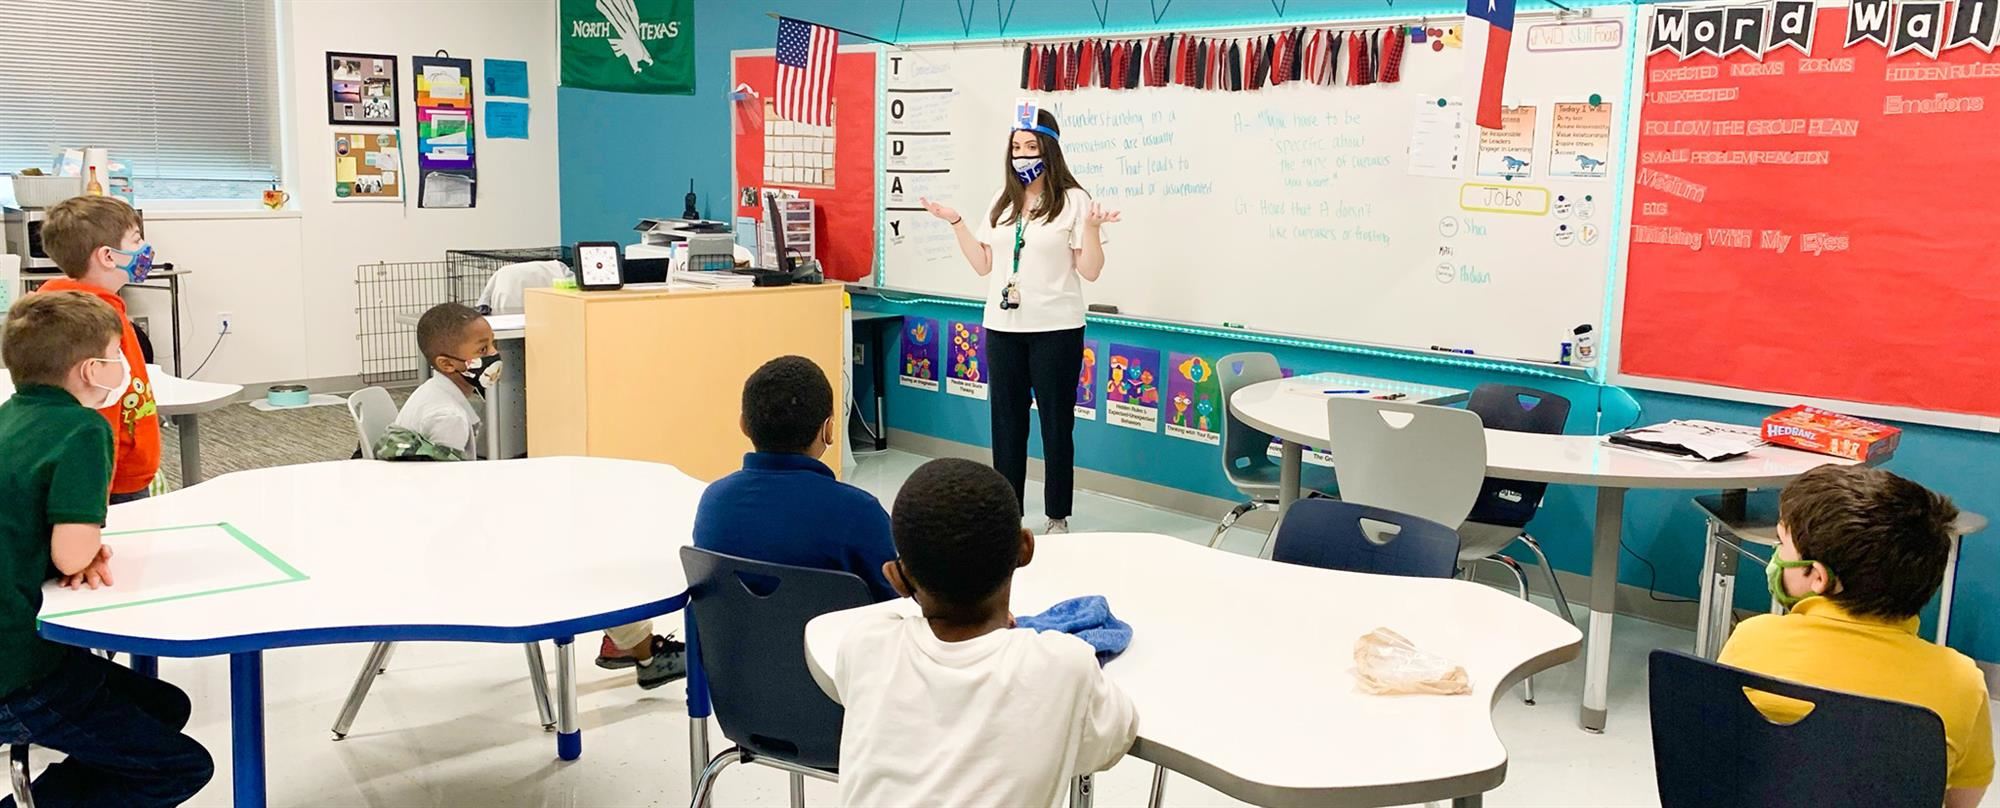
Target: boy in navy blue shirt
(784, 507)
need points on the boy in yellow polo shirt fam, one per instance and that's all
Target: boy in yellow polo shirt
(1860, 552)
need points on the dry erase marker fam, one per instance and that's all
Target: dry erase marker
(1344, 392)
(1466, 351)
(1392, 397)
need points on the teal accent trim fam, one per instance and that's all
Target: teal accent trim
(881, 156)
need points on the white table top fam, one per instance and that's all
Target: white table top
(1240, 668)
(493, 551)
(175, 395)
(1575, 459)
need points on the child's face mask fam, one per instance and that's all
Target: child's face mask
(1774, 579)
(111, 392)
(480, 371)
(138, 263)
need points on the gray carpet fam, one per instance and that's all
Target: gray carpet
(240, 437)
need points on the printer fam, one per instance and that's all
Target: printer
(695, 244)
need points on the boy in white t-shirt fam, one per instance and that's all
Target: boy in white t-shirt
(440, 421)
(958, 707)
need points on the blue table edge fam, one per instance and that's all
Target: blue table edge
(341, 635)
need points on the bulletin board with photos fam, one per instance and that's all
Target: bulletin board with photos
(361, 89)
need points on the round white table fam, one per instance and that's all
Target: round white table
(387, 552)
(1300, 420)
(1266, 710)
(183, 400)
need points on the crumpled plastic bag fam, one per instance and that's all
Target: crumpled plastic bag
(1387, 664)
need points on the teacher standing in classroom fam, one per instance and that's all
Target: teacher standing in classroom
(1037, 244)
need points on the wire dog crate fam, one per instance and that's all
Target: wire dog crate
(389, 297)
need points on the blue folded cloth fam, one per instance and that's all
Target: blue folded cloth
(1087, 618)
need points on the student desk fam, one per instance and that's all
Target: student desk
(580, 544)
(1571, 459)
(183, 400)
(1267, 711)
(657, 374)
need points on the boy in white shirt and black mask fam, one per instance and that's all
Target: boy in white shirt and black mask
(958, 707)
(441, 419)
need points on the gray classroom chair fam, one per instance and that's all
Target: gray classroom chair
(1246, 461)
(17, 771)
(1419, 459)
(373, 411)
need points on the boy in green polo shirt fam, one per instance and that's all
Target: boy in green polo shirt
(121, 731)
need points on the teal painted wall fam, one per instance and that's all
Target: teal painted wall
(626, 156)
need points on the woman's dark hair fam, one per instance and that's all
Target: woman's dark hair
(1014, 193)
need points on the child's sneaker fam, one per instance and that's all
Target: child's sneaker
(612, 658)
(669, 663)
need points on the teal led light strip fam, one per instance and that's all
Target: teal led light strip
(1451, 361)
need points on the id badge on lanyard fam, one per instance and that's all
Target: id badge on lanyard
(1010, 296)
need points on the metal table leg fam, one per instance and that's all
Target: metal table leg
(1474, 801)
(1080, 792)
(190, 427)
(1603, 604)
(1704, 612)
(569, 739)
(1944, 593)
(147, 666)
(246, 727)
(174, 316)
(538, 680)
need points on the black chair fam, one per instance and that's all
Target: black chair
(17, 771)
(750, 623)
(1500, 516)
(1712, 748)
(1336, 535)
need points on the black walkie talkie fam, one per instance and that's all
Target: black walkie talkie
(690, 213)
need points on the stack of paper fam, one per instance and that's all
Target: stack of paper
(1700, 440)
(713, 280)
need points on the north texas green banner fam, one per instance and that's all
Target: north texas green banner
(629, 46)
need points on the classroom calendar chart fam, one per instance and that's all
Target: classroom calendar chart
(1812, 210)
(1373, 214)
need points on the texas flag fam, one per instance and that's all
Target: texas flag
(1489, 33)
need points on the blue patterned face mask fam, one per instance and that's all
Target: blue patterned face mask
(1028, 168)
(138, 263)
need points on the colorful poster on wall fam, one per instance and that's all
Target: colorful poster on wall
(1132, 393)
(1086, 383)
(629, 46)
(1509, 152)
(367, 166)
(447, 166)
(967, 374)
(1580, 141)
(1194, 399)
(920, 353)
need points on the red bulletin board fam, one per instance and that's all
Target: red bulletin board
(845, 236)
(1821, 224)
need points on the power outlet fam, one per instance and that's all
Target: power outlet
(224, 322)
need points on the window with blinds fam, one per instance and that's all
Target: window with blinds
(184, 92)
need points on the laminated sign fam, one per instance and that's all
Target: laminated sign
(629, 46)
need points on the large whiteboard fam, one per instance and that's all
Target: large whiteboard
(1299, 209)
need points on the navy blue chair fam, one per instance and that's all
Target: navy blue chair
(750, 618)
(1500, 516)
(1336, 535)
(1712, 748)
(17, 772)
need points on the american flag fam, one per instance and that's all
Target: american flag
(805, 72)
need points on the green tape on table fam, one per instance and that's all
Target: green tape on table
(286, 572)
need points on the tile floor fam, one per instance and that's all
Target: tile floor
(454, 725)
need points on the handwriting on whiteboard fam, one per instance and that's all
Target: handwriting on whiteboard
(1525, 200)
